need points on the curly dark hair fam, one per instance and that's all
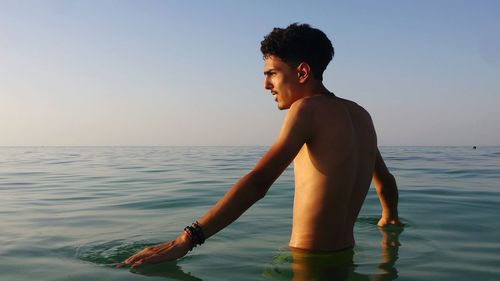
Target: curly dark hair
(299, 43)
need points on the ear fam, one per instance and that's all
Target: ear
(303, 72)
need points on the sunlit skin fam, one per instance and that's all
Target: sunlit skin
(277, 79)
(333, 145)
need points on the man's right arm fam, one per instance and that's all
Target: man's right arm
(294, 134)
(387, 191)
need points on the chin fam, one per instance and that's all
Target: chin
(282, 107)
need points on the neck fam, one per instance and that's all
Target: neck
(317, 89)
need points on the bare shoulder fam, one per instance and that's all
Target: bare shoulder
(301, 109)
(330, 104)
(327, 107)
(316, 103)
(354, 107)
(302, 105)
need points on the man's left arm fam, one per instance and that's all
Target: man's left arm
(244, 193)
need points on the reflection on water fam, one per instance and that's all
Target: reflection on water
(167, 269)
(109, 253)
(293, 264)
(299, 265)
(73, 213)
(390, 248)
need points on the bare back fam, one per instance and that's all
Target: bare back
(333, 171)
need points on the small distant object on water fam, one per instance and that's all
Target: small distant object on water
(474, 147)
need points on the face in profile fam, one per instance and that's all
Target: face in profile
(282, 80)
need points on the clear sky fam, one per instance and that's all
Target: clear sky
(190, 72)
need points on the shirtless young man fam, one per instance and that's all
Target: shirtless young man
(332, 142)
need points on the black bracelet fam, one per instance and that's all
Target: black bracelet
(196, 234)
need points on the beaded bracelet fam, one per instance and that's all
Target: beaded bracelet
(195, 232)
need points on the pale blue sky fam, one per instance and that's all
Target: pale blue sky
(190, 72)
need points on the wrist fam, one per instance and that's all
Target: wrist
(185, 239)
(390, 214)
(192, 235)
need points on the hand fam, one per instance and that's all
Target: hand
(388, 221)
(161, 252)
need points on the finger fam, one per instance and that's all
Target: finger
(138, 263)
(147, 259)
(134, 258)
(129, 260)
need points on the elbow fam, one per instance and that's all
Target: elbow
(260, 194)
(387, 185)
(388, 179)
(391, 189)
(259, 184)
(391, 180)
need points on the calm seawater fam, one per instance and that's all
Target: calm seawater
(71, 213)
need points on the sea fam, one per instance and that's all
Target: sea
(73, 213)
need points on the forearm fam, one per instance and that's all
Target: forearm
(243, 194)
(388, 195)
(239, 198)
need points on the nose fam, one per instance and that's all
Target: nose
(267, 84)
